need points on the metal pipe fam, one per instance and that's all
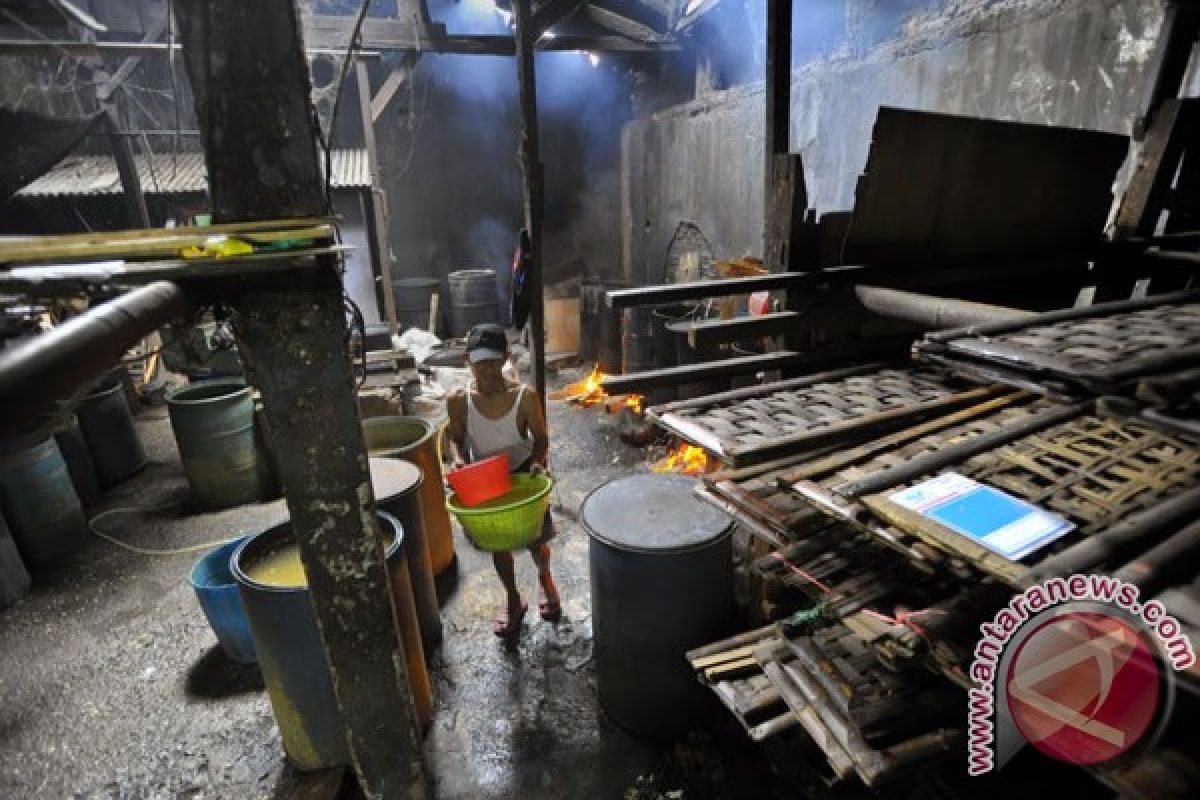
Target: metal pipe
(1158, 567)
(49, 368)
(935, 312)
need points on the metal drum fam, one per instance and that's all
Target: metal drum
(14, 578)
(40, 503)
(413, 298)
(397, 486)
(662, 584)
(473, 299)
(112, 439)
(79, 461)
(292, 658)
(686, 354)
(417, 441)
(222, 453)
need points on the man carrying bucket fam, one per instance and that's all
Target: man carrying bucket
(495, 416)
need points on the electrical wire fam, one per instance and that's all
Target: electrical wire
(327, 140)
(145, 551)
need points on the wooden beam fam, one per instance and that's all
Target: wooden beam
(395, 79)
(378, 204)
(531, 170)
(642, 382)
(1171, 133)
(131, 183)
(82, 49)
(699, 290)
(707, 332)
(551, 13)
(620, 24)
(243, 57)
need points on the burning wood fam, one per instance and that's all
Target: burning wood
(587, 392)
(686, 459)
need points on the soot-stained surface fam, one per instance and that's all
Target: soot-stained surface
(113, 686)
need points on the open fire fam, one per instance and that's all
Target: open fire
(685, 458)
(587, 392)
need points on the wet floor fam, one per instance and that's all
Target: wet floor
(112, 684)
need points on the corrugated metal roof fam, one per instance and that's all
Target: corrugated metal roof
(161, 173)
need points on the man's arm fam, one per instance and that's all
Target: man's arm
(456, 431)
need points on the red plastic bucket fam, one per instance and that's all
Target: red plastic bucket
(482, 481)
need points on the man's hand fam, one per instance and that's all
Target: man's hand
(538, 469)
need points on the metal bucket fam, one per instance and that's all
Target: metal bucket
(75, 453)
(413, 298)
(292, 658)
(662, 584)
(414, 440)
(397, 486)
(473, 299)
(39, 502)
(14, 578)
(111, 437)
(219, 445)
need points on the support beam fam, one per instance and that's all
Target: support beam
(666, 294)
(109, 87)
(82, 49)
(378, 205)
(551, 13)
(779, 173)
(241, 58)
(395, 79)
(531, 168)
(703, 334)
(131, 182)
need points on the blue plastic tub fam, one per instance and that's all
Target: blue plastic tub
(217, 591)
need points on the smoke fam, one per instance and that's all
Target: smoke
(457, 202)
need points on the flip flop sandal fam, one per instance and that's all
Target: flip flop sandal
(547, 610)
(504, 625)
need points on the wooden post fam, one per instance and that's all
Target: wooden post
(378, 205)
(776, 168)
(251, 86)
(131, 183)
(531, 166)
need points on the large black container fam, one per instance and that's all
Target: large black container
(75, 453)
(292, 659)
(397, 486)
(14, 578)
(107, 424)
(637, 348)
(473, 299)
(609, 355)
(413, 296)
(662, 584)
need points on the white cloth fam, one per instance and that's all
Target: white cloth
(489, 437)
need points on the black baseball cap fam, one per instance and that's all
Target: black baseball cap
(486, 342)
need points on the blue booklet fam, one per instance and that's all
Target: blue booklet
(1000, 522)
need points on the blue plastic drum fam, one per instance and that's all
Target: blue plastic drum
(218, 594)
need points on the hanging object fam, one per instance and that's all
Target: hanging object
(522, 301)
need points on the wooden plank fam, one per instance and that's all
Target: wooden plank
(1172, 130)
(707, 332)
(391, 84)
(941, 189)
(699, 290)
(378, 205)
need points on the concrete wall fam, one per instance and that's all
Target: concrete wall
(1059, 62)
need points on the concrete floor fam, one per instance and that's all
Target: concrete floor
(112, 684)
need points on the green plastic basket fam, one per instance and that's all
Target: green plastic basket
(511, 522)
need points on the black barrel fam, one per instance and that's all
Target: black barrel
(662, 584)
(14, 578)
(397, 486)
(112, 439)
(664, 346)
(292, 658)
(473, 299)
(591, 301)
(74, 451)
(413, 298)
(637, 349)
(39, 502)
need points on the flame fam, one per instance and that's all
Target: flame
(588, 392)
(685, 458)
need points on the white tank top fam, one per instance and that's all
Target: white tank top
(489, 437)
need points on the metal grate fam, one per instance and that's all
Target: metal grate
(1098, 349)
(757, 424)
